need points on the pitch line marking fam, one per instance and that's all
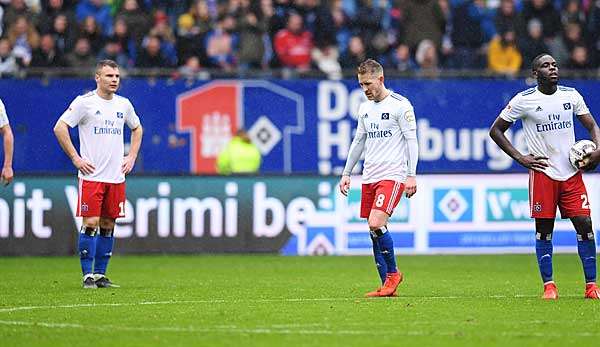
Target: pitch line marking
(301, 300)
(271, 331)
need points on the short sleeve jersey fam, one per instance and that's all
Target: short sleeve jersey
(548, 125)
(100, 124)
(3, 115)
(386, 150)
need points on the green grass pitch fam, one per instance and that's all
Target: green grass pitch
(490, 300)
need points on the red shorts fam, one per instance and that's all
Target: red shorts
(382, 195)
(100, 199)
(545, 194)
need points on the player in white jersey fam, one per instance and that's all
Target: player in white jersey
(547, 113)
(100, 116)
(7, 171)
(387, 133)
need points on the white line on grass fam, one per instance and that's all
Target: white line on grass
(300, 300)
(274, 330)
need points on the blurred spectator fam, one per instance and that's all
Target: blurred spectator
(52, 9)
(294, 44)
(507, 17)
(18, 8)
(198, 16)
(114, 51)
(341, 22)
(423, 19)
(128, 45)
(503, 55)
(593, 29)
(533, 44)
(24, 39)
(8, 62)
(467, 35)
(401, 59)
(46, 55)
(579, 59)
(137, 20)
(97, 9)
(253, 40)
(544, 11)
(572, 13)
(190, 69)
(427, 58)
(151, 55)
(368, 20)
(91, 31)
(62, 33)
(221, 43)
(240, 156)
(163, 30)
(355, 54)
(189, 39)
(326, 59)
(562, 45)
(82, 56)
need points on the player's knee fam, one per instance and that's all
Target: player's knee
(107, 232)
(585, 235)
(91, 222)
(377, 232)
(543, 235)
(88, 230)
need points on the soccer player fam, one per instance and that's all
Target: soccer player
(7, 171)
(100, 115)
(547, 114)
(387, 134)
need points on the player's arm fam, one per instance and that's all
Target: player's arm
(61, 131)
(134, 149)
(529, 161)
(410, 186)
(7, 171)
(590, 124)
(356, 149)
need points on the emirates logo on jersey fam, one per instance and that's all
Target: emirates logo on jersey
(385, 116)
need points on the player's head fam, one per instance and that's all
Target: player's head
(545, 69)
(370, 79)
(107, 76)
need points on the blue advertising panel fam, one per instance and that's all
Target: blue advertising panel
(300, 126)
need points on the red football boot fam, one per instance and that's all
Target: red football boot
(392, 281)
(592, 291)
(550, 291)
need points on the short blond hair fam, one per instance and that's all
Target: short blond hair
(370, 66)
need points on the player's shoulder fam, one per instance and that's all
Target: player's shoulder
(567, 89)
(527, 92)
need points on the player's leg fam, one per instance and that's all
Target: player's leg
(387, 196)
(574, 204)
(543, 199)
(366, 201)
(88, 207)
(112, 208)
(586, 247)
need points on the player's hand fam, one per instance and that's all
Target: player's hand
(410, 186)
(127, 165)
(534, 162)
(7, 175)
(590, 161)
(345, 185)
(83, 165)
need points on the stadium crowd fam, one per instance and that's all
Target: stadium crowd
(299, 35)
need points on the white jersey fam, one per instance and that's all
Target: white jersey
(548, 125)
(385, 123)
(3, 115)
(100, 124)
